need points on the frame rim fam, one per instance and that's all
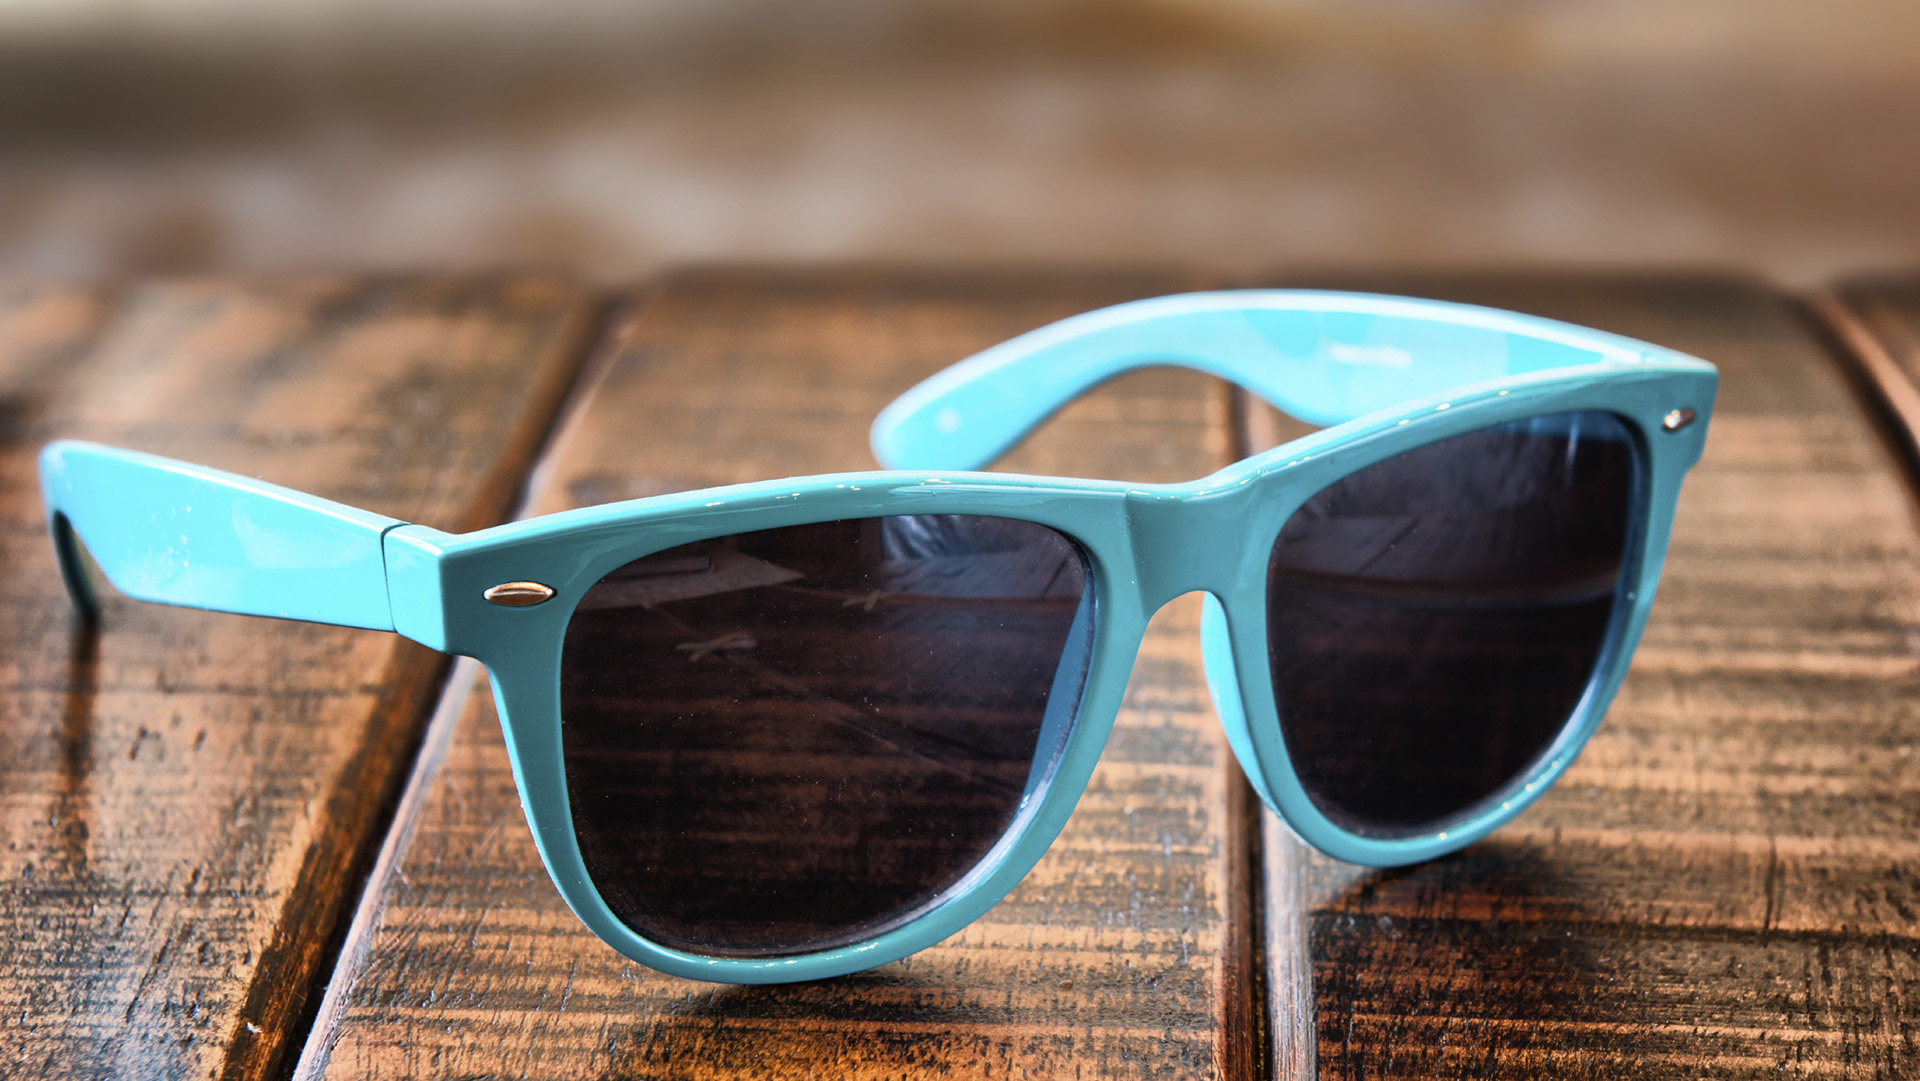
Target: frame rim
(1239, 650)
(1136, 538)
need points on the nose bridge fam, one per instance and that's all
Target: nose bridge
(1183, 541)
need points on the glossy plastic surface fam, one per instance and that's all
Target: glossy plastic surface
(162, 530)
(1322, 357)
(1420, 371)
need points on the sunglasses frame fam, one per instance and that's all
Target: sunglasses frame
(166, 531)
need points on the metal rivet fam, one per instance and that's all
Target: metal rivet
(1677, 419)
(519, 594)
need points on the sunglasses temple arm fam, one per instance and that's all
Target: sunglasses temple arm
(1322, 357)
(174, 533)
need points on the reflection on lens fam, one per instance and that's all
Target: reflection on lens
(782, 741)
(1434, 619)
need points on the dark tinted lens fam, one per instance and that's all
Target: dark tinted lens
(1434, 619)
(781, 741)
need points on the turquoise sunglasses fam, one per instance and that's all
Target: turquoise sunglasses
(787, 730)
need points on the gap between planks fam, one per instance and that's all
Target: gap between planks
(1283, 973)
(317, 1048)
(607, 324)
(1887, 394)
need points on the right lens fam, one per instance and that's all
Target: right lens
(782, 741)
(1434, 619)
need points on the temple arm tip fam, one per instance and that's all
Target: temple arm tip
(73, 567)
(67, 546)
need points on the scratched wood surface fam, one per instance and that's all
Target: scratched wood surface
(1124, 954)
(189, 798)
(1724, 885)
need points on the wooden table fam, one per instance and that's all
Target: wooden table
(244, 848)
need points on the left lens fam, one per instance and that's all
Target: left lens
(783, 741)
(1434, 619)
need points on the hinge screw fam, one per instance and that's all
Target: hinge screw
(519, 594)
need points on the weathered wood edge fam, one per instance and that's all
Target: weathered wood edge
(1282, 978)
(1291, 1025)
(1248, 1006)
(463, 675)
(311, 946)
(1888, 393)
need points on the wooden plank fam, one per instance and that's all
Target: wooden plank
(1122, 955)
(189, 798)
(1722, 886)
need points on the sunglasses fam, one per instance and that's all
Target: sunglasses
(793, 729)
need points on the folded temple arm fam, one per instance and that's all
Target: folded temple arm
(167, 531)
(1323, 357)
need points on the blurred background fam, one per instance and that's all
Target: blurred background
(612, 138)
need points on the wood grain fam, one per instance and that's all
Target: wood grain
(1723, 885)
(188, 798)
(1120, 956)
